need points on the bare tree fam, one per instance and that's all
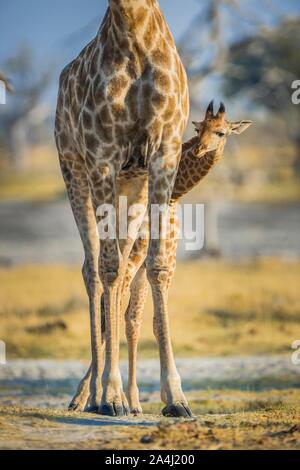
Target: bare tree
(6, 82)
(24, 108)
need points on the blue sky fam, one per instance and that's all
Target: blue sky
(53, 27)
(46, 23)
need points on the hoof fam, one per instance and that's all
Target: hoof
(178, 410)
(113, 409)
(76, 407)
(136, 411)
(92, 409)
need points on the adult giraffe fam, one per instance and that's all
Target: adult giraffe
(122, 109)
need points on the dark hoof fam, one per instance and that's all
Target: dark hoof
(113, 410)
(75, 407)
(136, 412)
(178, 410)
(92, 409)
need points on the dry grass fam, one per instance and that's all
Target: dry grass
(216, 309)
(41, 180)
(30, 187)
(226, 420)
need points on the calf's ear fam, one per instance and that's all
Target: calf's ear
(198, 126)
(240, 126)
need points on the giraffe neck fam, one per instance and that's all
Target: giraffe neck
(193, 169)
(130, 15)
(133, 26)
(130, 5)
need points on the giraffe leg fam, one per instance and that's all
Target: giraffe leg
(111, 269)
(113, 402)
(136, 282)
(82, 397)
(133, 317)
(159, 271)
(136, 304)
(74, 172)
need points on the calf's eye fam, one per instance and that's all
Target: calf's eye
(220, 134)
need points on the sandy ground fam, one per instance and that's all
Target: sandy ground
(50, 383)
(34, 396)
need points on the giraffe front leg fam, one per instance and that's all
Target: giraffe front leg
(136, 282)
(74, 172)
(159, 270)
(111, 270)
(95, 290)
(171, 389)
(81, 398)
(113, 402)
(133, 317)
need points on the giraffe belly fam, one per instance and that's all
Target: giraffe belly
(135, 160)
